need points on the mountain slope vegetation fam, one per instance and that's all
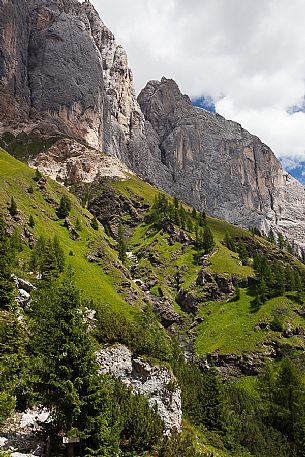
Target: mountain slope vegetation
(223, 310)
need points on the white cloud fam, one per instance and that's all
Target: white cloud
(252, 52)
(283, 132)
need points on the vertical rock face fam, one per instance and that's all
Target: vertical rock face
(65, 69)
(51, 71)
(127, 121)
(14, 37)
(62, 71)
(216, 165)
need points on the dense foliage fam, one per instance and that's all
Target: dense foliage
(164, 213)
(7, 286)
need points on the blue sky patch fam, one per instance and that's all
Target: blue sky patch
(206, 103)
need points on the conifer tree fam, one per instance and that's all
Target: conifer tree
(59, 253)
(37, 254)
(289, 247)
(78, 225)
(290, 278)
(13, 207)
(261, 292)
(182, 216)
(229, 242)
(190, 225)
(159, 210)
(196, 230)
(279, 279)
(237, 293)
(271, 237)
(31, 221)
(38, 175)
(299, 287)
(7, 285)
(281, 241)
(14, 360)
(176, 202)
(121, 244)
(66, 370)
(64, 208)
(208, 240)
(242, 251)
(201, 216)
(94, 223)
(49, 267)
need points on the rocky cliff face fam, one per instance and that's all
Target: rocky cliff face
(65, 70)
(216, 165)
(52, 72)
(14, 37)
(62, 72)
(128, 141)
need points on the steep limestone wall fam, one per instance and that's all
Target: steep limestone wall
(14, 38)
(216, 165)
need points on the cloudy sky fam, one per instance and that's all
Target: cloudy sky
(248, 55)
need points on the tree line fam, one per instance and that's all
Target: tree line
(164, 212)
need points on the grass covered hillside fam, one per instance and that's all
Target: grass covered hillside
(217, 291)
(92, 255)
(220, 308)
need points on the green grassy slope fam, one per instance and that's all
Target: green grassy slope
(234, 328)
(101, 280)
(226, 327)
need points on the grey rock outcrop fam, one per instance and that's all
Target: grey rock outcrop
(128, 141)
(216, 165)
(157, 384)
(63, 73)
(24, 289)
(65, 70)
(69, 160)
(21, 431)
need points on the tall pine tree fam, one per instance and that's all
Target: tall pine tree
(66, 370)
(7, 286)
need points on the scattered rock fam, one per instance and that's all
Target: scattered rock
(20, 432)
(24, 289)
(164, 307)
(71, 161)
(73, 233)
